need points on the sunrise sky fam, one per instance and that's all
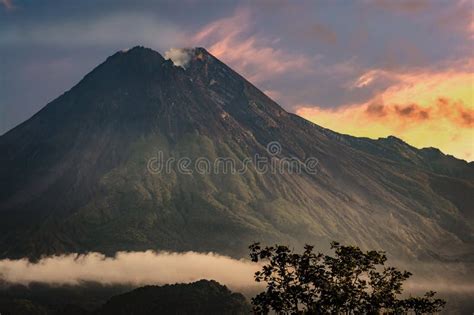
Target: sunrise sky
(367, 68)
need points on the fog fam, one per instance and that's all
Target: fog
(136, 268)
(149, 267)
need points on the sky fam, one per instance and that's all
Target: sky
(367, 68)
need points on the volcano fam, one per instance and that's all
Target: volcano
(77, 177)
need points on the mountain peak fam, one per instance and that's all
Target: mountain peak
(137, 51)
(144, 56)
(182, 57)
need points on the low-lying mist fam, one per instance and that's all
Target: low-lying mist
(156, 268)
(135, 268)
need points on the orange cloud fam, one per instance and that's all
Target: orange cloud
(230, 40)
(458, 112)
(425, 108)
(412, 111)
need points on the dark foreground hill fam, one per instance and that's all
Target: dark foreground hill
(77, 177)
(201, 297)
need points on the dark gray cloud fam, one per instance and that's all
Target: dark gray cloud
(318, 49)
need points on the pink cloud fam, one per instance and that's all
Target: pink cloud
(231, 39)
(404, 6)
(8, 4)
(458, 18)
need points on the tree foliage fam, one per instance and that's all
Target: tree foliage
(351, 282)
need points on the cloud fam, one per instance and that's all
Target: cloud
(376, 79)
(289, 77)
(136, 268)
(458, 18)
(456, 111)
(412, 112)
(364, 80)
(179, 56)
(376, 109)
(425, 108)
(8, 4)
(404, 6)
(233, 40)
(157, 268)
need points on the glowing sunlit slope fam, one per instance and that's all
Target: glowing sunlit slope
(423, 109)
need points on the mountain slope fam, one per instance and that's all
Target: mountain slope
(76, 176)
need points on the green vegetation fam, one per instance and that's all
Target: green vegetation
(351, 282)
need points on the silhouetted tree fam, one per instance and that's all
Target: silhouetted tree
(351, 282)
